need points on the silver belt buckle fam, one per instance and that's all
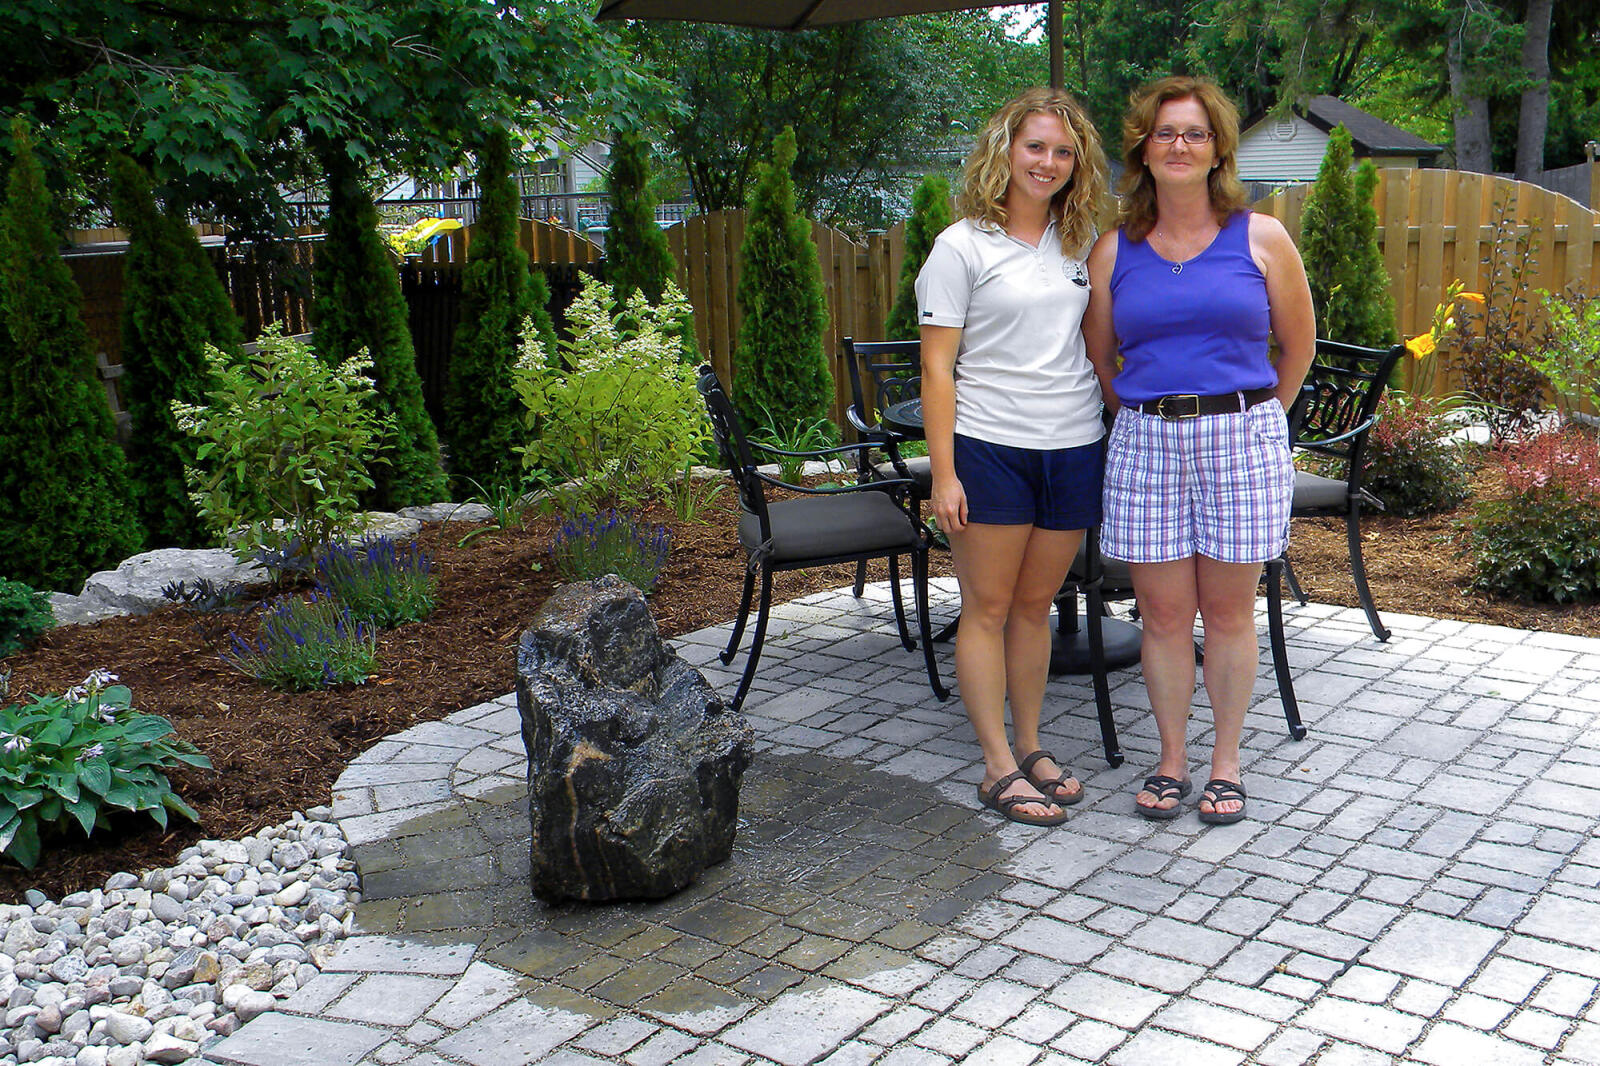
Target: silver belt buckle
(1175, 414)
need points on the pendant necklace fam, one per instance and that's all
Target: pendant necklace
(1177, 268)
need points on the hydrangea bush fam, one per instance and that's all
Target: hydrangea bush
(285, 446)
(615, 407)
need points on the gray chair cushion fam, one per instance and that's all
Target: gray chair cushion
(921, 470)
(816, 527)
(1319, 493)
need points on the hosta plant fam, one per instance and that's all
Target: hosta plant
(81, 757)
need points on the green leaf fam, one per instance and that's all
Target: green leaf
(175, 802)
(146, 728)
(95, 774)
(24, 844)
(86, 812)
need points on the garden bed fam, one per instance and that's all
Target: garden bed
(276, 752)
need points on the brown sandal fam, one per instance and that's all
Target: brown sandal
(1049, 786)
(990, 798)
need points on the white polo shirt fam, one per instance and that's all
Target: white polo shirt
(1022, 376)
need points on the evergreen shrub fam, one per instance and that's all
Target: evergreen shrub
(1339, 244)
(638, 257)
(24, 615)
(66, 501)
(482, 415)
(359, 307)
(930, 216)
(779, 365)
(173, 305)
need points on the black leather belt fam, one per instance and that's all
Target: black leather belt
(1174, 408)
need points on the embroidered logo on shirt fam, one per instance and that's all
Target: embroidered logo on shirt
(927, 314)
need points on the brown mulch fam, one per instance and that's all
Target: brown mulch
(276, 752)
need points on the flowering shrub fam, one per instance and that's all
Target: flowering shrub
(590, 546)
(387, 585)
(1542, 540)
(615, 407)
(1408, 463)
(307, 644)
(24, 614)
(80, 757)
(284, 446)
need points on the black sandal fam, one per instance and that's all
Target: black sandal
(1219, 790)
(1048, 787)
(991, 799)
(1163, 788)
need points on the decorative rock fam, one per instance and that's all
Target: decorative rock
(135, 586)
(448, 512)
(375, 524)
(252, 1004)
(634, 761)
(168, 1049)
(128, 1028)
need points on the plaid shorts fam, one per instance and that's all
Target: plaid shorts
(1218, 485)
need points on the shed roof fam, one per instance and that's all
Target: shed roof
(1372, 135)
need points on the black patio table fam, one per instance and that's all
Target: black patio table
(1069, 652)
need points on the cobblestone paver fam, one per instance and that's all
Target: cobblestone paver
(1418, 881)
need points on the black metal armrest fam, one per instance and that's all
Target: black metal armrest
(1296, 442)
(818, 453)
(892, 485)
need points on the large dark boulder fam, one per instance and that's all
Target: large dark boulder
(634, 761)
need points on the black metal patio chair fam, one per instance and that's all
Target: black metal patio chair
(1335, 412)
(894, 369)
(821, 526)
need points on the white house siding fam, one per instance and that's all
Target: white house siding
(1266, 153)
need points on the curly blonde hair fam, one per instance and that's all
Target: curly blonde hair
(988, 169)
(1137, 215)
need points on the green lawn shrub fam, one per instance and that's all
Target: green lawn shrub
(930, 216)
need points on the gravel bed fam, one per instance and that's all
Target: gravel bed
(149, 968)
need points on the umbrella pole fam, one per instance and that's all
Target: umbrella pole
(1058, 74)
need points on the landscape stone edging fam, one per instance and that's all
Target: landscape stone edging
(134, 586)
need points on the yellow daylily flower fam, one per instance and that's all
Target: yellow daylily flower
(1421, 346)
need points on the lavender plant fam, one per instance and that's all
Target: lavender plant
(80, 757)
(378, 581)
(588, 546)
(307, 644)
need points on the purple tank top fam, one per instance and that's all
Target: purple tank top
(1199, 329)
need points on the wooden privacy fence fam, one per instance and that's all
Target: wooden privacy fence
(859, 279)
(1435, 226)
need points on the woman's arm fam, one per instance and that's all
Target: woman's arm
(1099, 334)
(939, 347)
(1294, 322)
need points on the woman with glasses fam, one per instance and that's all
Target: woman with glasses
(1011, 408)
(1198, 478)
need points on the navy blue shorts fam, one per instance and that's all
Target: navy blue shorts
(1057, 488)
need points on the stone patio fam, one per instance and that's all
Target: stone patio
(1418, 881)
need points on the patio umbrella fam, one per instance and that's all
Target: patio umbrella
(804, 14)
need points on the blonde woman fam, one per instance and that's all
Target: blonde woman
(1198, 479)
(1011, 408)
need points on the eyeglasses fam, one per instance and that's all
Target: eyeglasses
(1196, 137)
